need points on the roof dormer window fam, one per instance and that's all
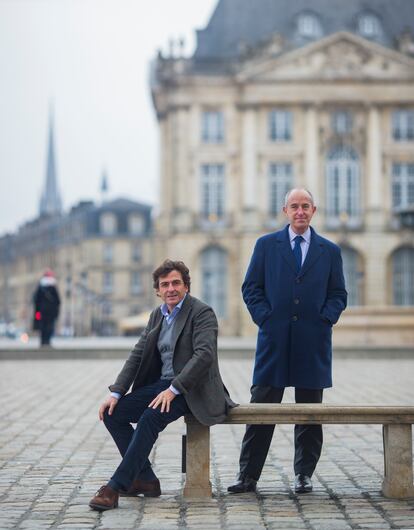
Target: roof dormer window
(309, 26)
(369, 26)
(108, 224)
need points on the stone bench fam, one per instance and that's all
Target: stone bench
(396, 422)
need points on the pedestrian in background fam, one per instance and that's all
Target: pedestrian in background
(46, 303)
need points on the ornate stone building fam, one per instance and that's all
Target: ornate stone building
(101, 254)
(314, 93)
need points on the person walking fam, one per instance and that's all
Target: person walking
(46, 303)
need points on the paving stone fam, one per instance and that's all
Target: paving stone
(55, 454)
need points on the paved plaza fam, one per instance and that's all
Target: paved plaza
(55, 454)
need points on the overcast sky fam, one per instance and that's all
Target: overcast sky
(89, 61)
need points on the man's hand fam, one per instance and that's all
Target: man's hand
(110, 402)
(164, 399)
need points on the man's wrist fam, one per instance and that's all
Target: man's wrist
(116, 395)
(174, 390)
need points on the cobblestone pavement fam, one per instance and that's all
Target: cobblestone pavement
(54, 455)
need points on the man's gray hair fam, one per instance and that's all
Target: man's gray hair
(298, 189)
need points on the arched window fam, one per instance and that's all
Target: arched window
(369, 25)
(309, 26)
(342, 185)
(403, 276)
(352, 275)
(214, 279)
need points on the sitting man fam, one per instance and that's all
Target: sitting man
(173, 370)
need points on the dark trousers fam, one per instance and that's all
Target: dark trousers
(47, 327)
(257, 439)
(135, 444)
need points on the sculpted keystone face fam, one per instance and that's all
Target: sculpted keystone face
(172, 289)
(299, 210)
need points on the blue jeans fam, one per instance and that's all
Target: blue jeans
(135, 445)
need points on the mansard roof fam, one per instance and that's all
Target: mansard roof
(237, 25)
(81, 222)
(125, 205)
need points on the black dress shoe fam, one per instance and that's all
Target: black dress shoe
(303, 484)
(243, 486)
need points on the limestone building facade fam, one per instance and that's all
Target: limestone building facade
(280, 94)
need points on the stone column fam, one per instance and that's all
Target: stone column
(375, 198)
(195, 147)
(398, 462)
(197, 481)
(312, 177)
(249, 159)
(180, 143)
(375, 267)
(180, 181)
(163, 221)
(164, 181)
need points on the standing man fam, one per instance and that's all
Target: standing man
(295, 292)
(173, 370)
(46, 302)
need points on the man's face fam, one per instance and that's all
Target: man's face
(172, 289)
(299, 210)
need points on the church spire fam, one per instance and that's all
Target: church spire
(50, 202)
(104, 186)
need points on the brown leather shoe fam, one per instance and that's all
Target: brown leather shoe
(148, 488)
(105, 498)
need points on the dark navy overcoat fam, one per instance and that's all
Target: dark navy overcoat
(294, 311)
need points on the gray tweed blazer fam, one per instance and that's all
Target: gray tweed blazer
(195, 362)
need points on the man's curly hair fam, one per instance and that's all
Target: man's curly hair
(168, 266)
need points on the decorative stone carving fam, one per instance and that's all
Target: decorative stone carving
(406, 42)
(355, 138)
(266, 48)
(342, 56)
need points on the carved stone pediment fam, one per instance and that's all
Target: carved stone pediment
(342, 56)
(270, 47)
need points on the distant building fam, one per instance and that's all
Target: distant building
(311, 93)
(102, 258)
(101, 254)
